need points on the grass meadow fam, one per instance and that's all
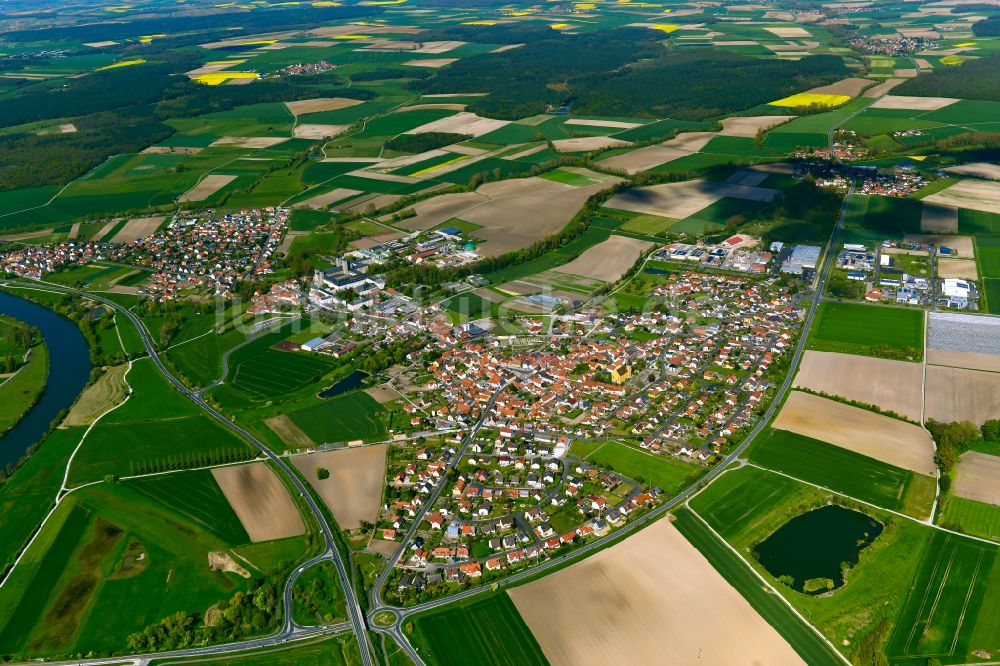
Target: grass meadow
(855, 328)
(976, 518)
(344, 418)
(651, 469)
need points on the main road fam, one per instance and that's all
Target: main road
(356, 617)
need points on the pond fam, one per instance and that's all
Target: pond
(807, 552)
(353, 381)
(69, 372)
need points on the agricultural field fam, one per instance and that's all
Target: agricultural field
(885, 333)
(958, 394)
(893, 386)
(946, 612)
(844, 471)
(352, 488)
(344, 418)
(570, 628)
(483, 629)
(260, 499)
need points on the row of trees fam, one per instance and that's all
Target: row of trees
(955, 438)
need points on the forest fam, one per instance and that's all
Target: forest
(627, 72)
(973, 79)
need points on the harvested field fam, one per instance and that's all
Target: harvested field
(938, 219)
(527, 152)
(653, 598)
(99, 397)
(609, 260)
(891, 385)
(642, 159)
(319, 105)
(354, 489)
(957, 394)
(137, 228)
(442, 106)
(260, 500)
(291, 434)
(74, 231)
(104, 231)
(748, 177)
(892, 441)
(914, 103)
(383, 394)
(208, 186)
(615, 124)
(377, 202)
(67, 128)
(587, 144)
(790, 32)
(42, 233)
(959, 359)
(957, 268)
(977, 477)
(462, 123)
(327, 198)
(963, 244)
(882, 88)
(977, 170)
(255, 142)
(438, 47)
(514, 218)
(388, 177)
(430, 62)
(383, 548)
(312, 131)
(286, 242)
(748, 126)
(681, 200)
(975, 194)
(850, 86)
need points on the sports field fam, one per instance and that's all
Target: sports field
(272, 373)
(342, 419)
(853, 328)
(944, 607)
(483, 630)
(664, 472)
(846, 472)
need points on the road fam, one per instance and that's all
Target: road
(356, 617)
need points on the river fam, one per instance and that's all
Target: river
(69, 372)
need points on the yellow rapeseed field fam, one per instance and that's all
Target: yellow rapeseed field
(809, 99)
(123, 63)
(217, 78)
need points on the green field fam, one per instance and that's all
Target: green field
(976, 518)
(482, 630)
(664, 472)
(110, 547)
(944, 608)
(845, 471)
(344, 418)
(19, 393)
(468, 306)
(888, 217)
(978, 222)
(802, 639)
(200, 360)
(854, 328)
(197, 497)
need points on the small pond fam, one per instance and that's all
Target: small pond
(807, 551)
(353, 381)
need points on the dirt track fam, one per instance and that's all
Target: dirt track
(651, 599)
(260, 500)
(892, 385)
(889, 440)
(354, 489)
